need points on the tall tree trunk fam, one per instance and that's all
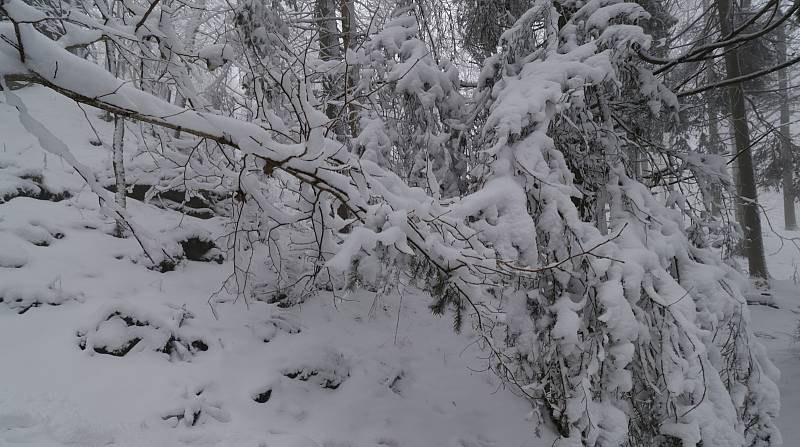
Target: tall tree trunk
(119, 169)
(746, 186)
(351, 76)
(113, 65)
(714, 147)
(329, 47)
(787, 180)
(715, 144)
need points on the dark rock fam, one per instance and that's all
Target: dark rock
(195, 249)
(263, 396)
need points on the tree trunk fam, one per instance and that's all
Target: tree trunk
(714, 143)
(351, 76)
(746, 186)
(113, 66)
(119, 169)
(714, 147)
(787, 180)
(329, 47)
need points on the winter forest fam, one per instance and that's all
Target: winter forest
(399, 223)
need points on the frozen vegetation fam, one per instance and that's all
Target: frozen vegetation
(370, 223)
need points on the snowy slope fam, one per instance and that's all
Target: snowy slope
(777, 328)
(98, 350)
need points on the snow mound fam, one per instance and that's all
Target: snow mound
(122, 329)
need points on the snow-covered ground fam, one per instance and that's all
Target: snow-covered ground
(97, 350)
(777, 328)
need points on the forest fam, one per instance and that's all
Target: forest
(397, 223)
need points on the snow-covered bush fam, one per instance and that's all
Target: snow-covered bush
(195, 408)
(21, 297)
(627, 331)
(328, 369)
(269, 328)
(122, 329)
(410, 129)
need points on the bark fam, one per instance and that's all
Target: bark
(113, 66)
(348, 20)
(787, 180)
(180, 101)
(714, 143)
(119, 169)
(745, 184)
(191, 42)
(611, 156)
(351, 76)
(330, 49)
(714, 147)
(329, 46)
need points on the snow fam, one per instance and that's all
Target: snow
(166, 358)
(102, 351)
(777, 328)
(216, 55)
(600, 17)
(20, 12)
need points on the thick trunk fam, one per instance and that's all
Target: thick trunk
(787, 180)
(329, 47)
(715, 145)
(746, 186)
(351, 76)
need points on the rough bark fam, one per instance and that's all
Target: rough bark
(351, 76)
(329, 46)
(714, 142)
(745, 181)
(787, 174)
(714, 147)
(330, 49)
